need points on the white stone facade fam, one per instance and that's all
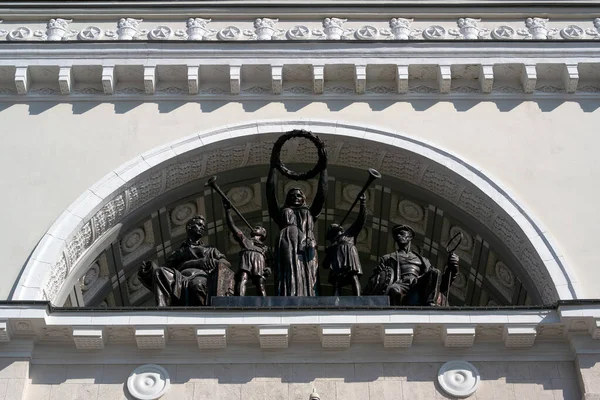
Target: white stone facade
(489, 107)
(42, 358)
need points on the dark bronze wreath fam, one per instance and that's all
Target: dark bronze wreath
(276, 155)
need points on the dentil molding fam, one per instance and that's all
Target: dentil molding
(67, 72)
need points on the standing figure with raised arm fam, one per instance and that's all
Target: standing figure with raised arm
(341, 257)
(255, 256)
(296, 262)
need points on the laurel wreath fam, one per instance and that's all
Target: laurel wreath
(296, 133)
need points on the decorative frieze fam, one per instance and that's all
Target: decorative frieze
(394, 27)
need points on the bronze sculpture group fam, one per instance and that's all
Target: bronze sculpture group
(196, 272)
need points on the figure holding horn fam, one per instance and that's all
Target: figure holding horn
(296, 262)
(341, 257)
(255, 256)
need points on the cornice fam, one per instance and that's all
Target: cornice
(518, 329)
(377, 70)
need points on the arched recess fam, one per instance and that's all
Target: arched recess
(95, 218)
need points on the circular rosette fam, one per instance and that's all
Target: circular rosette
(458, 378)
(299, 133)
(148, 382)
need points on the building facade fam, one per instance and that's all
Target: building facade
(479, 115)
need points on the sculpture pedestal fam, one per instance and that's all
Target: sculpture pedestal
(300, 302)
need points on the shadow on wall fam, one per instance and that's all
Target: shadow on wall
(374, 380)
(168, 106)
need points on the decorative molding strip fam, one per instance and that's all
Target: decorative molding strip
(472, 77)
(394, 27)
(475, 329)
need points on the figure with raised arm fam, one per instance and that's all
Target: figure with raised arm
(296, 263)
(255, 256)
(341, 256)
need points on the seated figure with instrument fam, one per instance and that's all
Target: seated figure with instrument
(407, 277)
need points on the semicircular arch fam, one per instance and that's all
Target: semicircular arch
(96, 217)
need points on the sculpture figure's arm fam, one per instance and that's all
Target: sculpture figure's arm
(237, 233)
(321, 196)
(358, 225)
(271, 193)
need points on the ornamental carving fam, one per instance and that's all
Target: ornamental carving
(90, 277)
(333, 28)
(595, 31)
(537, 29)
(572, 32)
(196, 29)
(91, 33)
(367, 32)
(127, 29)
(133, 240)
(469, 29)
(401, 30)
(299, 32)
(435, 32)
(161, 32)
(458, 378)
(503, 32)
(20, 33)
(229, 33)
(264, 28)
(58, 29)
(148, 382)
(182, 213)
